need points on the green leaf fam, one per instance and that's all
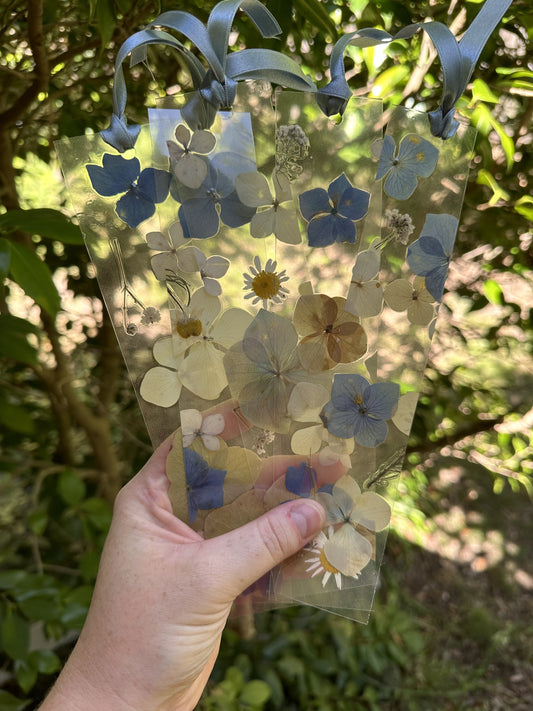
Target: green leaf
(15, 635)
(105, 20)
(5, 257)
(71, 487)
(98, 512)
(317, 15)
(483, 119)
(39, 606)
(45, 661)
(44, 222)
(15, 417)
(524, 207)
(8, 702)
(389, 80)
(498, 193)
(493, 292)
(13, 342)
(38, 521)
(482, 92)
(124, 6)
(34, 277)
(10, 579)
(26, 675)
(255, 694)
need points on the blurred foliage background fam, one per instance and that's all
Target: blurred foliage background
(452, 625)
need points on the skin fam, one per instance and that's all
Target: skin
(162, 598)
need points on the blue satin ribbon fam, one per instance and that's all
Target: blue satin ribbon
(215, 84)
(458, 60)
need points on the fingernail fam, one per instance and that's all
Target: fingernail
(308, 517)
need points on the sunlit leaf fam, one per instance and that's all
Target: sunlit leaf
(44, 222)
(34, 277)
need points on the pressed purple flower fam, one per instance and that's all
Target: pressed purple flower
(430, 255)
(204, 484)
(360, 410)
(331, 214)
(142, 189)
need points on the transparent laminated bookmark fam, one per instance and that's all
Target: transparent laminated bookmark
(261, 339)
(116, 197)
(393, 286)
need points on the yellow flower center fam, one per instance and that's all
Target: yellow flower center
(324, 562)
(192, 327)
(266, 284)
(358, 399)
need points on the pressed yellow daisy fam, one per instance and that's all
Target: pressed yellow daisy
(318, 563)
(265, 284)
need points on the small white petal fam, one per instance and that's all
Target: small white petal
(191, 421)
(157, 240)
(213, 424)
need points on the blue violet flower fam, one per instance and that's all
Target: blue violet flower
(416, 158)
(215, 201)
(142, 189)
(430, 255)
(204, 484)
(331, 214)
(301, 481)
(359, 410)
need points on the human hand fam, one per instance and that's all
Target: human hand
(162, 598)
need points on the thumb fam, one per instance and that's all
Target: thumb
(242, 556)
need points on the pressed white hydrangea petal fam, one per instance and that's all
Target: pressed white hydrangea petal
(202, 371)
(165, 354)
(372, 511)
(191, 421)
(157, 240)
(262, 223)
(366, 265)
(306, 402)
(215, 266)
(307, 441)
(348, 551)
(286, 225)
(202, 141)
(160, 386)
(399, 294)
(253, 189)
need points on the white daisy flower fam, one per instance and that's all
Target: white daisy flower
(265, 284)
(318, 563)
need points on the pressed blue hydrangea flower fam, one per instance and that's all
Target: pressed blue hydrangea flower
(204, 484)
(416, 158)
(143, 189)
(331, 214)
(430, 255)
(359, 410)
(215, 201)
(262, 370)
(301, 480)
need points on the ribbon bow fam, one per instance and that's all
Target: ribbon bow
(215, 85)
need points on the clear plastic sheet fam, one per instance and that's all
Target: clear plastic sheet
(273, 281)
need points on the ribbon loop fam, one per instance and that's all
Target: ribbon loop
(458, 60)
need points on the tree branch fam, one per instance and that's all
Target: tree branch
(41, 70)
(451, 439)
